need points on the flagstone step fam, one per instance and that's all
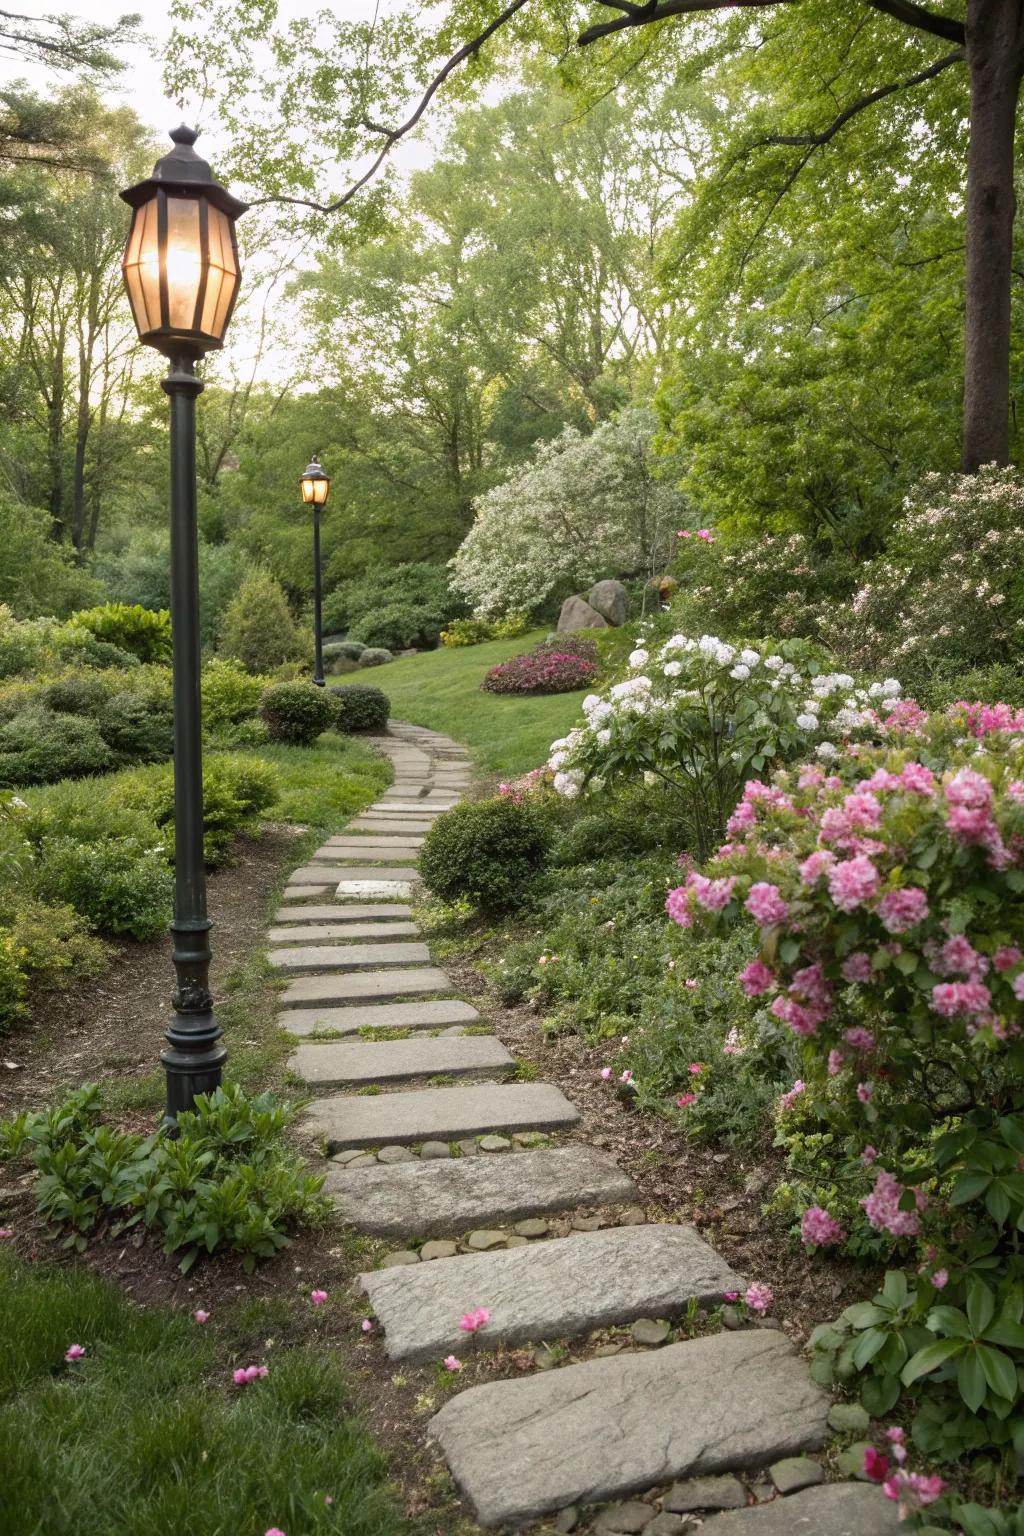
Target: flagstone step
(431, 1014)
(352, 890)
(550, 1290)
(437, 1199)
(305, 892)
(360, 842)
(390, 824)
(833, 1509)
(609, 1427)
(342, 873)
(325, 933)
(347, 957)
(364, 986)
(327, 912)
(394, 854)
(391, 1061)
(417, 806)
(438, 1114)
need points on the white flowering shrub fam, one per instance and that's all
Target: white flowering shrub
(701, 716)
(948, 594)
(585, 507)
(782, 584)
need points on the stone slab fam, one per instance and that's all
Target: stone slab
(304, 891)
(438, 1114)
(326, 912)
(834, 1509)
(549, 1290)
(341, 873)
(324, 933)
(610, 1427)
(379, 823)
(437, 1198)
(391, 1061)
(395, 855)
(364, 986)
(357, 840)
(415, 806)
(349, 1021)
(350, 890)
(347, 957)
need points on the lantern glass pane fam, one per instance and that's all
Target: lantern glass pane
(308, 490)
(142, 268)
(184, 262)
(223, 280)
(320, 489)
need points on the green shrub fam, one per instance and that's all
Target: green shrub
(296, 712)
(139, 730)
(40, 575)
(13, 983)
(415, 585)
(360, 708)
(121, 886)
(397, 627)
(350, 649)
(38, 747)
(43, 945)
(258, 628)
(142, 632)
(375, 656)
(228, 1181)
(467, 632)
(231, 695)
(32, 647)
(236, 789)
(488, 852)
(79, 693)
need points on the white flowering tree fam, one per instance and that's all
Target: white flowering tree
(701, 716)
(585, 507)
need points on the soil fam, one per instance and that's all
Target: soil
(112, 1025)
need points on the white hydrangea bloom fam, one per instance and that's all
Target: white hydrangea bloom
(750, 658)
(638, 658)
(807, 722)
(774, 663)
(673, 668)
(827, 750)
(740, 671)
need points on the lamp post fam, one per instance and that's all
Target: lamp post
(182, 275)
(315, 489)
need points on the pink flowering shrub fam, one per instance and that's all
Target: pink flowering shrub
(548, 669)
(888, 894)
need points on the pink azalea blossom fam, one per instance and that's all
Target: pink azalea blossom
(865, 1092)
(318, 1298)
(1006, 957)
(882, 1207)
(74, 1352)
(766, 905)
(452, 1363)
(694, 1068)
(952, 997)
(756, 978)
(857, 967)
(859, 1038)
(902, 909)
(201, 1316)
(789, 1099)
(868, 1156)
(852, 882)
(876, 1465)
(912, 1490)
(819, 1228)
(917, 778)
(940, 1279)
(677, 905)
(895, 1435)
(1018, 987)
(816, 865)
(473, 1321)
(732, 1295)
(759, 1298)
(685, 1100)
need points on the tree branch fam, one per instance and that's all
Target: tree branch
(815, 140)
(643, 15)
(924, 20)
(393, 135)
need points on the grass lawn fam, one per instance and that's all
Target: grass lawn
(506, 733)
(146, 1436)
(324, 785)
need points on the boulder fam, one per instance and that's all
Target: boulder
(577, 614)
(611, 600)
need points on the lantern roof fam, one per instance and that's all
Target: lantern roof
(182, 171)
(313, 470)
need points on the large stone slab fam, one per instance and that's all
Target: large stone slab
(610, 1427)
(347, 957)
(436, 1199)
(548, 1291)
(304, 891)
(431, 1014)
(325, 933)
(363, 840)
(364, 986)
(391, 1061)
(390, 823)
(327, 912)
(350, 890)
(415, 806)
(340, 873)
(395, 854)
(438, 1114)
(833, 1509)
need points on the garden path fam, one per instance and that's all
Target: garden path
(433, 1145)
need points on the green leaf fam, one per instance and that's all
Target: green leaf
(930, 1358)
(997, 1202)
(999, 1370)
(894, 1287)
(981, 1306)
(969, 1186)
(864, 1314)
(880, 1394)
(906, 962)
(970, 1378)
(867, 1346)
(950, 1322)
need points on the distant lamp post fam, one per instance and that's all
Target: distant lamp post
(182, 274)
(315, 490)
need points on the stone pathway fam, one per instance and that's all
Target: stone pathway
(432, 1147)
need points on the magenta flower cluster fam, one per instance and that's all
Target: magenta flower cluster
(543, 671)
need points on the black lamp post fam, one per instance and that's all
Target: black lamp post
(315, 490)
(182, 274)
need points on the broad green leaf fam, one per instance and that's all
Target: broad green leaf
(930, 1358)
(981, 1306)
(970, 1378)
(999, 1370)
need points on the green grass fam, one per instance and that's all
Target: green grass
(147, 1437)
(324, 785)
(506, 733)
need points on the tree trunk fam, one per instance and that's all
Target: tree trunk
(994, 59)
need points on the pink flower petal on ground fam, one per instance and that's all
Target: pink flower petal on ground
(6, 1232)
(239, 1377)
(606, 1073)
(366, 1325)
(474, 1320)
(732, 1295)
(275, 1530)
(201, 1316)
(318, 1298)
(626, 1077)
(685, 1100)
(759, 1297)
(74, 1352)
(452, 1363)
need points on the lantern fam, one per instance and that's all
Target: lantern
(315, 485)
